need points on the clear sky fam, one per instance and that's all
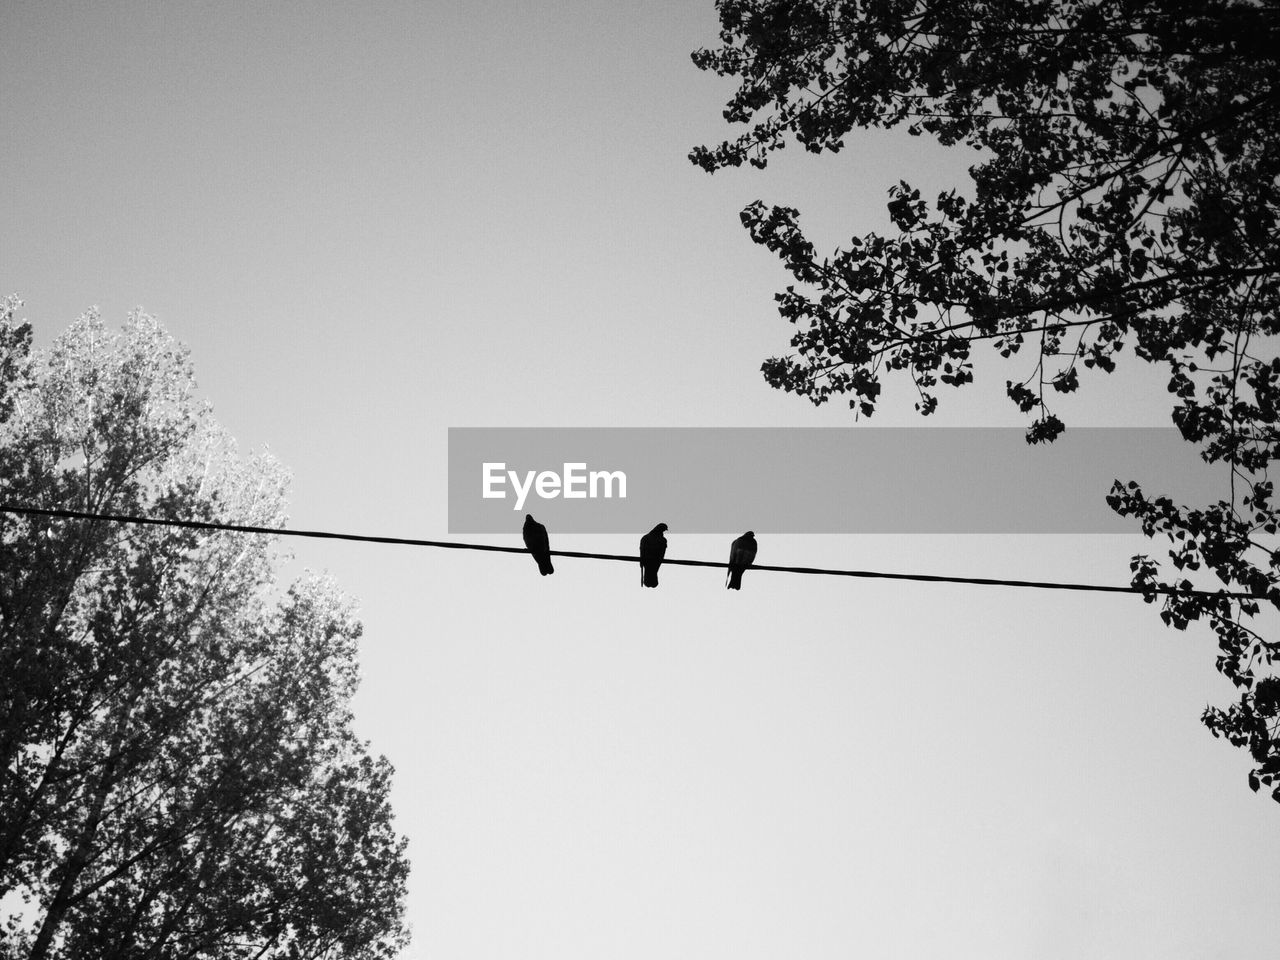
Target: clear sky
(373, 221)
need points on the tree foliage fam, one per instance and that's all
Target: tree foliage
(178, 773)
(1126, 198)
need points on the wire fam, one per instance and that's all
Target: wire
(455, 545)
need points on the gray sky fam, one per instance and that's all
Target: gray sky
(371, 222)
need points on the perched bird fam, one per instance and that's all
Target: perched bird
(742, 552)
(653, 547)
(535, 539)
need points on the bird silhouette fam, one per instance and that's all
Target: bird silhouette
(538, 544)
(653, 547)
(742, 552)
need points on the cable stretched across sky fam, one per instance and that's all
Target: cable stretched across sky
(581, 555)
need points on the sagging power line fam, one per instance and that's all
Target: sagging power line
(583, 555)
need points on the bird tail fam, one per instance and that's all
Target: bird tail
(734, 581)
(545, 567)
(649, 578)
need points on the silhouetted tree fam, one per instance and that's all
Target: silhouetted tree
(178, 774)
(1126, 195)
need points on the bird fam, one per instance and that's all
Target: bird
(653, 547)
(535, 538)
(742, 552)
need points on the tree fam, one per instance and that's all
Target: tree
(178, 773)
(1126, 196)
